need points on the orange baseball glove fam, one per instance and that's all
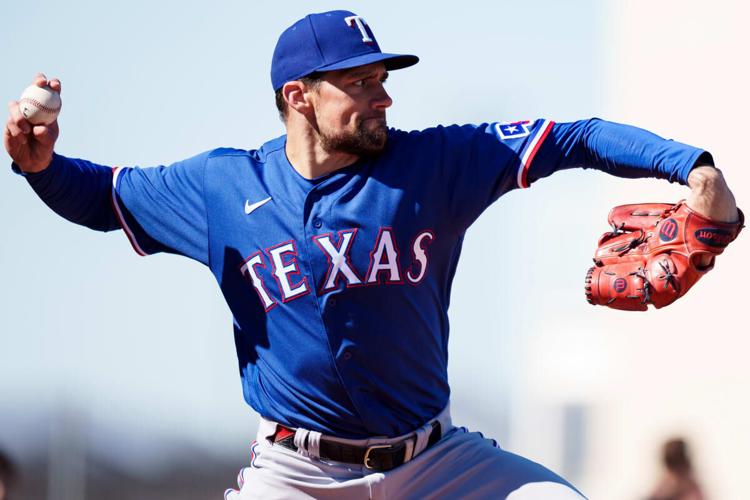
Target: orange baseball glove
(652, 254)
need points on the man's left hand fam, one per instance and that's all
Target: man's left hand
(710, 196)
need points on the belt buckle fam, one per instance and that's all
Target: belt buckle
(369, 450)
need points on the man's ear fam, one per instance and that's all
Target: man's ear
(296, 95)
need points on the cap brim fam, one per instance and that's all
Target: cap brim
(392, 61)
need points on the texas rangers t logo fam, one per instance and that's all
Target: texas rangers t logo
(351, 21)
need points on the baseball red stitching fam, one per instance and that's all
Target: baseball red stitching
(40, 105)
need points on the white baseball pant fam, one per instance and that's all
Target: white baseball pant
(462, 465)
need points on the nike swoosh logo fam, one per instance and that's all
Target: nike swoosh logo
(250, 208)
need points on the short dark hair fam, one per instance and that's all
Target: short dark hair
(311, 80)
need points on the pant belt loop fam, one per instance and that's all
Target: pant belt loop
(307, 442)
(409, 453)
(423, 434)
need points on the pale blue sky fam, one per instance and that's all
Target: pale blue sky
(145, 344)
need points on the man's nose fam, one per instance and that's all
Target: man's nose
(382, 100)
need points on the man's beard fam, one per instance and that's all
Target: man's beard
(363, 142)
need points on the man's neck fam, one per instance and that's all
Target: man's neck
(309, 159)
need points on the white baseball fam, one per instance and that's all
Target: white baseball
(40, 105)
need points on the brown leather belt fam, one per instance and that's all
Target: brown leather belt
(378, 457)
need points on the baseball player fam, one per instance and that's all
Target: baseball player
(335, 246)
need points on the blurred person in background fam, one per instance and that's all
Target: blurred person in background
(677, 481)
(7, 476)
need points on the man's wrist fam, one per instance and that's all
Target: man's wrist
(38, 166)
(705, 176)
(710, 196)
(31, 170)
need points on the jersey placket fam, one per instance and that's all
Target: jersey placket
(319, 221)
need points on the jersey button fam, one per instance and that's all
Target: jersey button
(347, 356)
(317, 222)
(332, 302)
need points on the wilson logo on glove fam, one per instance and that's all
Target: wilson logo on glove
(714, 237)
(620, 285)
(633, 268)
(668, 230)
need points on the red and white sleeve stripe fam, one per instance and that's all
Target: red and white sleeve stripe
(530, 152)
(131, 237)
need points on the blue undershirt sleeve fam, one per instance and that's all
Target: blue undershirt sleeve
(77, 190)
(482, 162)
(620, 150)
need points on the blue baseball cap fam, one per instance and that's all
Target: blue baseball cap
(338, 39)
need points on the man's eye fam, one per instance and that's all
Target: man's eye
(359, 83)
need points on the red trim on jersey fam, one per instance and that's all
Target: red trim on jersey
(121, 218)
(545, 133)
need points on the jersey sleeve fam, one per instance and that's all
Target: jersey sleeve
(162, 209)
(482, 162)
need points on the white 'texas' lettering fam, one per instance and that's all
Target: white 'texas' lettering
(248, 268)
(338, 259)
(282, 270)
(419, 256)
(384, 246)
(384, 258)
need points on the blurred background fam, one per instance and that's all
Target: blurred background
(118, 377)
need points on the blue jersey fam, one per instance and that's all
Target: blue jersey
(339, 286)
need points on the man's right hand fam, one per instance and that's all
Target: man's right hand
(30, 146)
